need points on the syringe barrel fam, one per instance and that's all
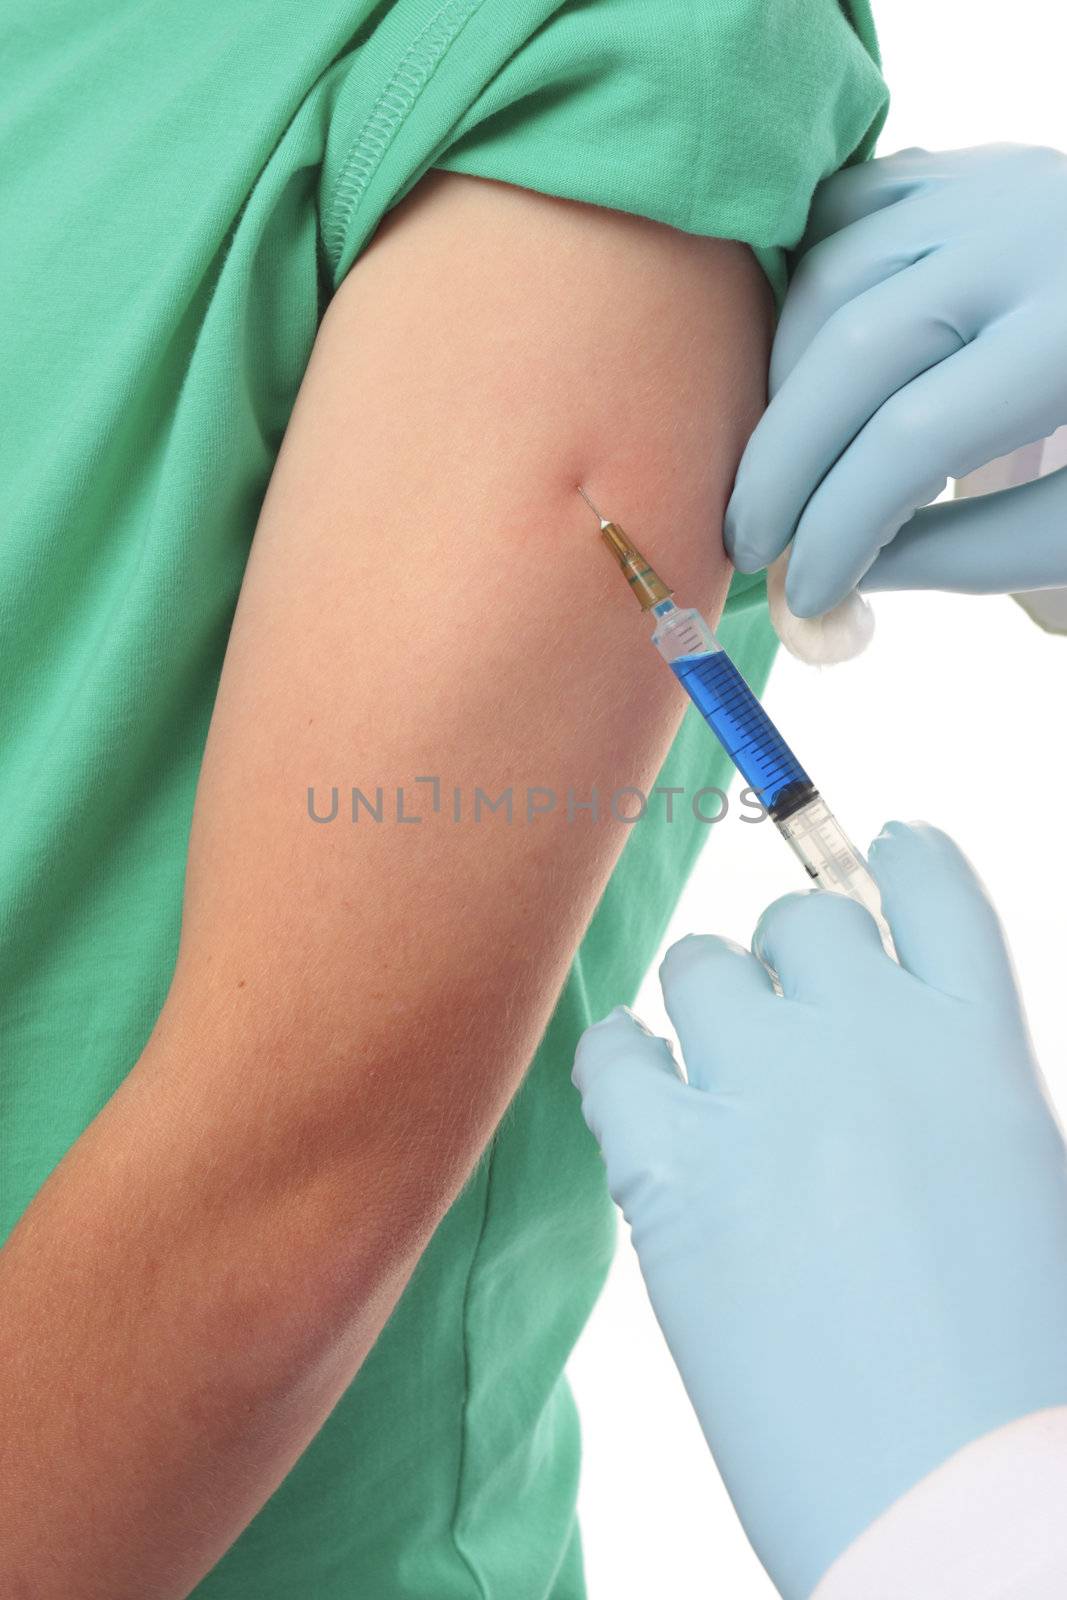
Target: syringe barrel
(763, 758)
(732, 711)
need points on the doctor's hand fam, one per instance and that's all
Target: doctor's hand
(852, 1224)
(924, 334)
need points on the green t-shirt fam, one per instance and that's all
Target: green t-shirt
(182, 185)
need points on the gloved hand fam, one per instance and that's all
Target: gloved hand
(924, 334)
(852, 1220)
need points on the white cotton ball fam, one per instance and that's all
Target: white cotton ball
(840, 634)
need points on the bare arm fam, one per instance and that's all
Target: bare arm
(353, 1006)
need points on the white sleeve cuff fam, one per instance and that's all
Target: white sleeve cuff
(989, 1524)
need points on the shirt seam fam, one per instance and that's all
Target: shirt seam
(413, 71)
(464, 1410)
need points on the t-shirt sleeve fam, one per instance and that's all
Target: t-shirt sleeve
(715, 116)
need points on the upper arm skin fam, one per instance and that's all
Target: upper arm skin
(199, 1279)
(427, 594)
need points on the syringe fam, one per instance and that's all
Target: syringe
(746, 732)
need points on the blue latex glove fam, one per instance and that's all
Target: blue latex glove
(924, 334)
(852, 1221)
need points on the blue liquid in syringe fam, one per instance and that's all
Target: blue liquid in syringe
(741, 725)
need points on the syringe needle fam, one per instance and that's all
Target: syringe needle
(592, 507)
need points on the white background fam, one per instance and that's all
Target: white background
(956, 715)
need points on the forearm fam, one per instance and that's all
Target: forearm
(354, 1005)
(192, 1291)
(194, 1288)
(181, 1311)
